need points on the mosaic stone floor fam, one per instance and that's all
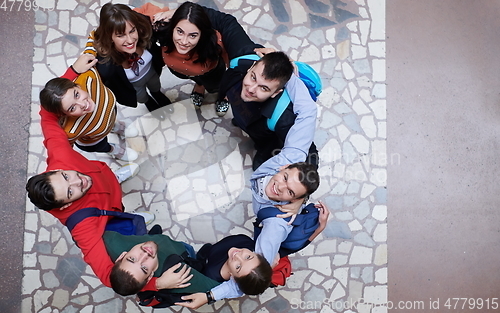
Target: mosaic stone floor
(195, 166)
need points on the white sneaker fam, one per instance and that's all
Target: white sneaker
(123, 130)
(126, 172)
(124, 154)
(131, 131)
(148, 216)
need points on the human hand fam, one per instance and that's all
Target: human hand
(171, 280)
(163, 16)
(323, 219)
(84, 63)
(290, 209)
(323, 213)
(195, 300)
(263, 51)
(283, 167)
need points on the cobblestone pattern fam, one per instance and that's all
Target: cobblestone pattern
(195, 166)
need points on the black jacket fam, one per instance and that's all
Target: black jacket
(113, 75)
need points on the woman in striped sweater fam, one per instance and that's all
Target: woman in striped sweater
(87, 109)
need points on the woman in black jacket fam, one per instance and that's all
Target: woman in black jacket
(129, 61)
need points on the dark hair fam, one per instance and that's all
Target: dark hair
(123, 283)
(308, 176)
(277, 66)
(53, 92)
(41, 192)
(113, 20)
(257, 281)
(207, 47)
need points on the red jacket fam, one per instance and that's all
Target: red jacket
(105, 194)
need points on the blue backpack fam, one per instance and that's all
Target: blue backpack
(123, 223)
(306, 73)
(304, 226)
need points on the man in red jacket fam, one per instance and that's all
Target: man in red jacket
(72, 182)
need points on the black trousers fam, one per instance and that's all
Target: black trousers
(101, 146)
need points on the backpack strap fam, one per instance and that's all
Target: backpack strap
(281, 106)
(268, 212)
(234, 62)
(82, 214)
(79, 216)
(262, 215)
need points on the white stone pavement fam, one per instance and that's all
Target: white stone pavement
(195, 166)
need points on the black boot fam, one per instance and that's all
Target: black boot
(154, 108)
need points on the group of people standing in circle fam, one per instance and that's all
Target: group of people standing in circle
(122, 63)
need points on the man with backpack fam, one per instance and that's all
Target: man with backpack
(256, 91)
(72, 182)
(284, 181)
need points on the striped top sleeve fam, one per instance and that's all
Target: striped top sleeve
(89, 46)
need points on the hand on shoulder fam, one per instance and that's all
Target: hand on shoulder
(84, 63)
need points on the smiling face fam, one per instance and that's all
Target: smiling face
(186, 36)
(76, 102)
(127, 41)
(256, 87)
(141, 261)
(69, 186)
(285, 186)
(241, 261)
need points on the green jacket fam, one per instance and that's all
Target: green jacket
(116, 243)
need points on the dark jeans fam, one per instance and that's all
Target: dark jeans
(268, 144)
(101, 146)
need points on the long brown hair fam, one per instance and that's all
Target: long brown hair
(207, 48)
(113, 20)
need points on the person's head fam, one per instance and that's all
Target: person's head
(267, 77)
(121, 31)
(294, 182)
(190, 30)
(250, 270)
(133, 269)
(61, 96)
(57, 189)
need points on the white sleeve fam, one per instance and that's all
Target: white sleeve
(301, 134)
(228, 289)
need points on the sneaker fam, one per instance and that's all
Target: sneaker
(197, 99)
(126, 172)
(221, 107)
(124, 154)
(148, 216)
(155, 230)
(124, 131)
